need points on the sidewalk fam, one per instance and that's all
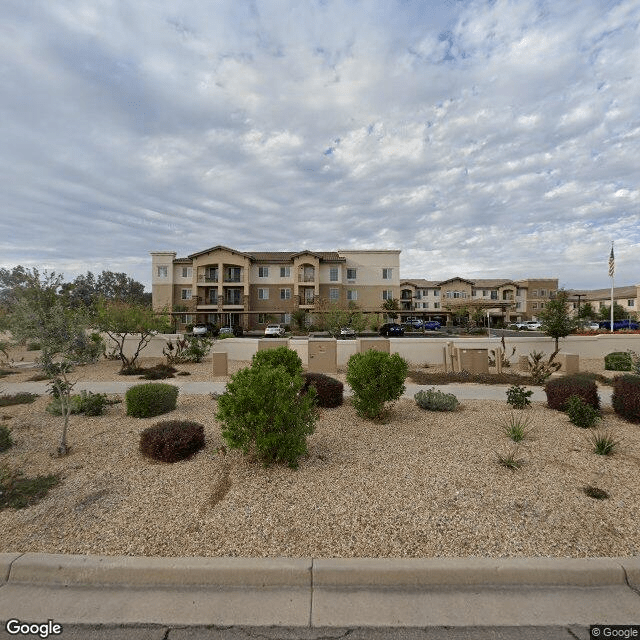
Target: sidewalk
(320, 592)
(471, 391)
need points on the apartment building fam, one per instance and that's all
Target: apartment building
(503, 299)
(251, 289)
(627, 297)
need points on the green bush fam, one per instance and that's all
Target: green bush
(375, 378)
(5, 438)
(279, 357)
(329, 390)
(517, 397)
(187, 349)
(88, 403)
(152, 399)
(264, 412)
(626, 397)
(23, 397)
(172, 440)
(618, 361)
(559, 390)
(581, 414)
(33, 346)
(433, 400)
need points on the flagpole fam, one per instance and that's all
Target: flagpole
(611, 273)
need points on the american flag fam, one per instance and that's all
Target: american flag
(611, 263)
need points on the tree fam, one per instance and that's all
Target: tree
(556, 319)
(120, 320)
(586, 312)
(39, 314)
(87, 290)
(334, 317)
(618, 312)
(390, 306)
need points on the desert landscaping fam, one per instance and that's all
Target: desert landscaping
(416, 484)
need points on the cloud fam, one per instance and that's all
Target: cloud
(498, 138)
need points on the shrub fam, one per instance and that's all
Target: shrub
(433, 400)
(603, 443)
(517, 397)
(539, 369)
(159, 372)
(581, 414)
(329, 390)
(595, 492)
(263, 411)
(17, 398)
(517, 426)
(172, 440)
(152, 399)
(279, 357)
(18, 492)
(375, 378)
(560, 390)
(5, 438)
(626, 397)
(88, 403)
(187, 349)
(33, 346)
(618, 361)
(510, 459)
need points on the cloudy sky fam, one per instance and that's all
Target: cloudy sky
(482, 138)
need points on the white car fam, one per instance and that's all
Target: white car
(274, 331)
(347, 332)
(533, 325)
(228, 331)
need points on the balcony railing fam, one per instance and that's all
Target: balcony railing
(306, 277)
(232, 279)
(207, 279)
(237, 300)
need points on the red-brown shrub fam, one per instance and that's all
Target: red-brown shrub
(626, 397)
(172, 440)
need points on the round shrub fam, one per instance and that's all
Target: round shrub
(618, 361)
(559, 390)
(263, 412)
(152, 399)
(375, 378)
(278, 357)
(159, 372)
(329, 390)
(626, 397)
(433, 400)
(172, 440)
(582, 414)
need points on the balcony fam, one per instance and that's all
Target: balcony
(304, 277)
(233, 300)
(206, 279)
(232, 279)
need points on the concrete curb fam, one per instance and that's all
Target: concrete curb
(323, 592)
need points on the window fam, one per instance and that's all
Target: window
(333, 274)
(351, 274)
(631, 303)
(436, 292)
(187, 318)
(543, 293)
(494, 295)
(185, 294)
(387, 294)
(474, 293)
(163, 272)
(534, 293)
(542, 305)
(352, 294)
(285, 272)
(535, 305)
(334, 294)
(285, 318)
(263, 294)
(285, 294)
(186, 272)
(263, 272)
(387, 274)
(425, 305)
(263, 318)
(485, 293)
(518, 305)
(436, 305)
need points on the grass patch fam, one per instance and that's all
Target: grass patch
(434, 378)
(18, 492)
(510, 459)
(603, 443)
(517, 425)
(17, 398)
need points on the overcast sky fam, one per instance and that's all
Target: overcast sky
(482, 138)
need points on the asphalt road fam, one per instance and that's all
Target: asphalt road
(152, 632)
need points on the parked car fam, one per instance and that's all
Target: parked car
(347, 332)
(391, 329)
(226, 331)
(413, 323)
(619, 324)
(274, 331)
(431, 325)
(205, 329)
(533, 325)
(590, 326)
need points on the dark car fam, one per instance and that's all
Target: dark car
(391, 329)
(620, 324)
(431, 325)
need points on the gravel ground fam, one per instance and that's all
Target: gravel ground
(419, 484)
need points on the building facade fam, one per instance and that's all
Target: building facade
(502, 299)
(251, 289)
(627, 297)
